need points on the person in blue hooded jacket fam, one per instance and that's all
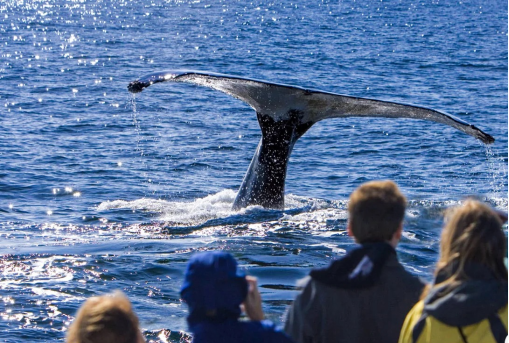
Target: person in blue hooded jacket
(214, 291)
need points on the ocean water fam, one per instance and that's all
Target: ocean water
(101, 190)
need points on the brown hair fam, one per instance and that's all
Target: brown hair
(472, 233)
(376, 210)
(105, 319)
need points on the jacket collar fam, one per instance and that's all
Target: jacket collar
(475, 299)
(359, 268)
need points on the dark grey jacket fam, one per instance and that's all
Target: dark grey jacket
(326, 314)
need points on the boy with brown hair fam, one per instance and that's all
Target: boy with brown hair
(365, 295)
(105, 319)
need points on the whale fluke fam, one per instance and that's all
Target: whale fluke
(285, 113)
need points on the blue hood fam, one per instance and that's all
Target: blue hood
(213, 288)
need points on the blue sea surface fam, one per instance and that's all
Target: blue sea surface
(101, 190)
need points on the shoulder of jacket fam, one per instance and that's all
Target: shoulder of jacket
(304, 282)
(395, 267)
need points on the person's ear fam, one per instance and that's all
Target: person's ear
(399, 232)
(349, 229)
(396, 236)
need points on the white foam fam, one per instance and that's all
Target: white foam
(213, 206)
(410, 236)
(48, 292)
(319, 216)
(219, 205)
(499, 203)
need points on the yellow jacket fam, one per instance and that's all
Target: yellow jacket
(436, 331)
(475, 311)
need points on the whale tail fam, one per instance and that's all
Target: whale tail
(285, 113)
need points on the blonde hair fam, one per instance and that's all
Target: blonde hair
(376, 210)
(105, 319)
(472, 234)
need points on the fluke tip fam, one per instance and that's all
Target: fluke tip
(136, 86)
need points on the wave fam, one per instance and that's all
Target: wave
(211, 207)
(216, 209)
(191, 213)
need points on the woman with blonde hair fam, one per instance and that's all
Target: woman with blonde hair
(105, 319)
(467, 302)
